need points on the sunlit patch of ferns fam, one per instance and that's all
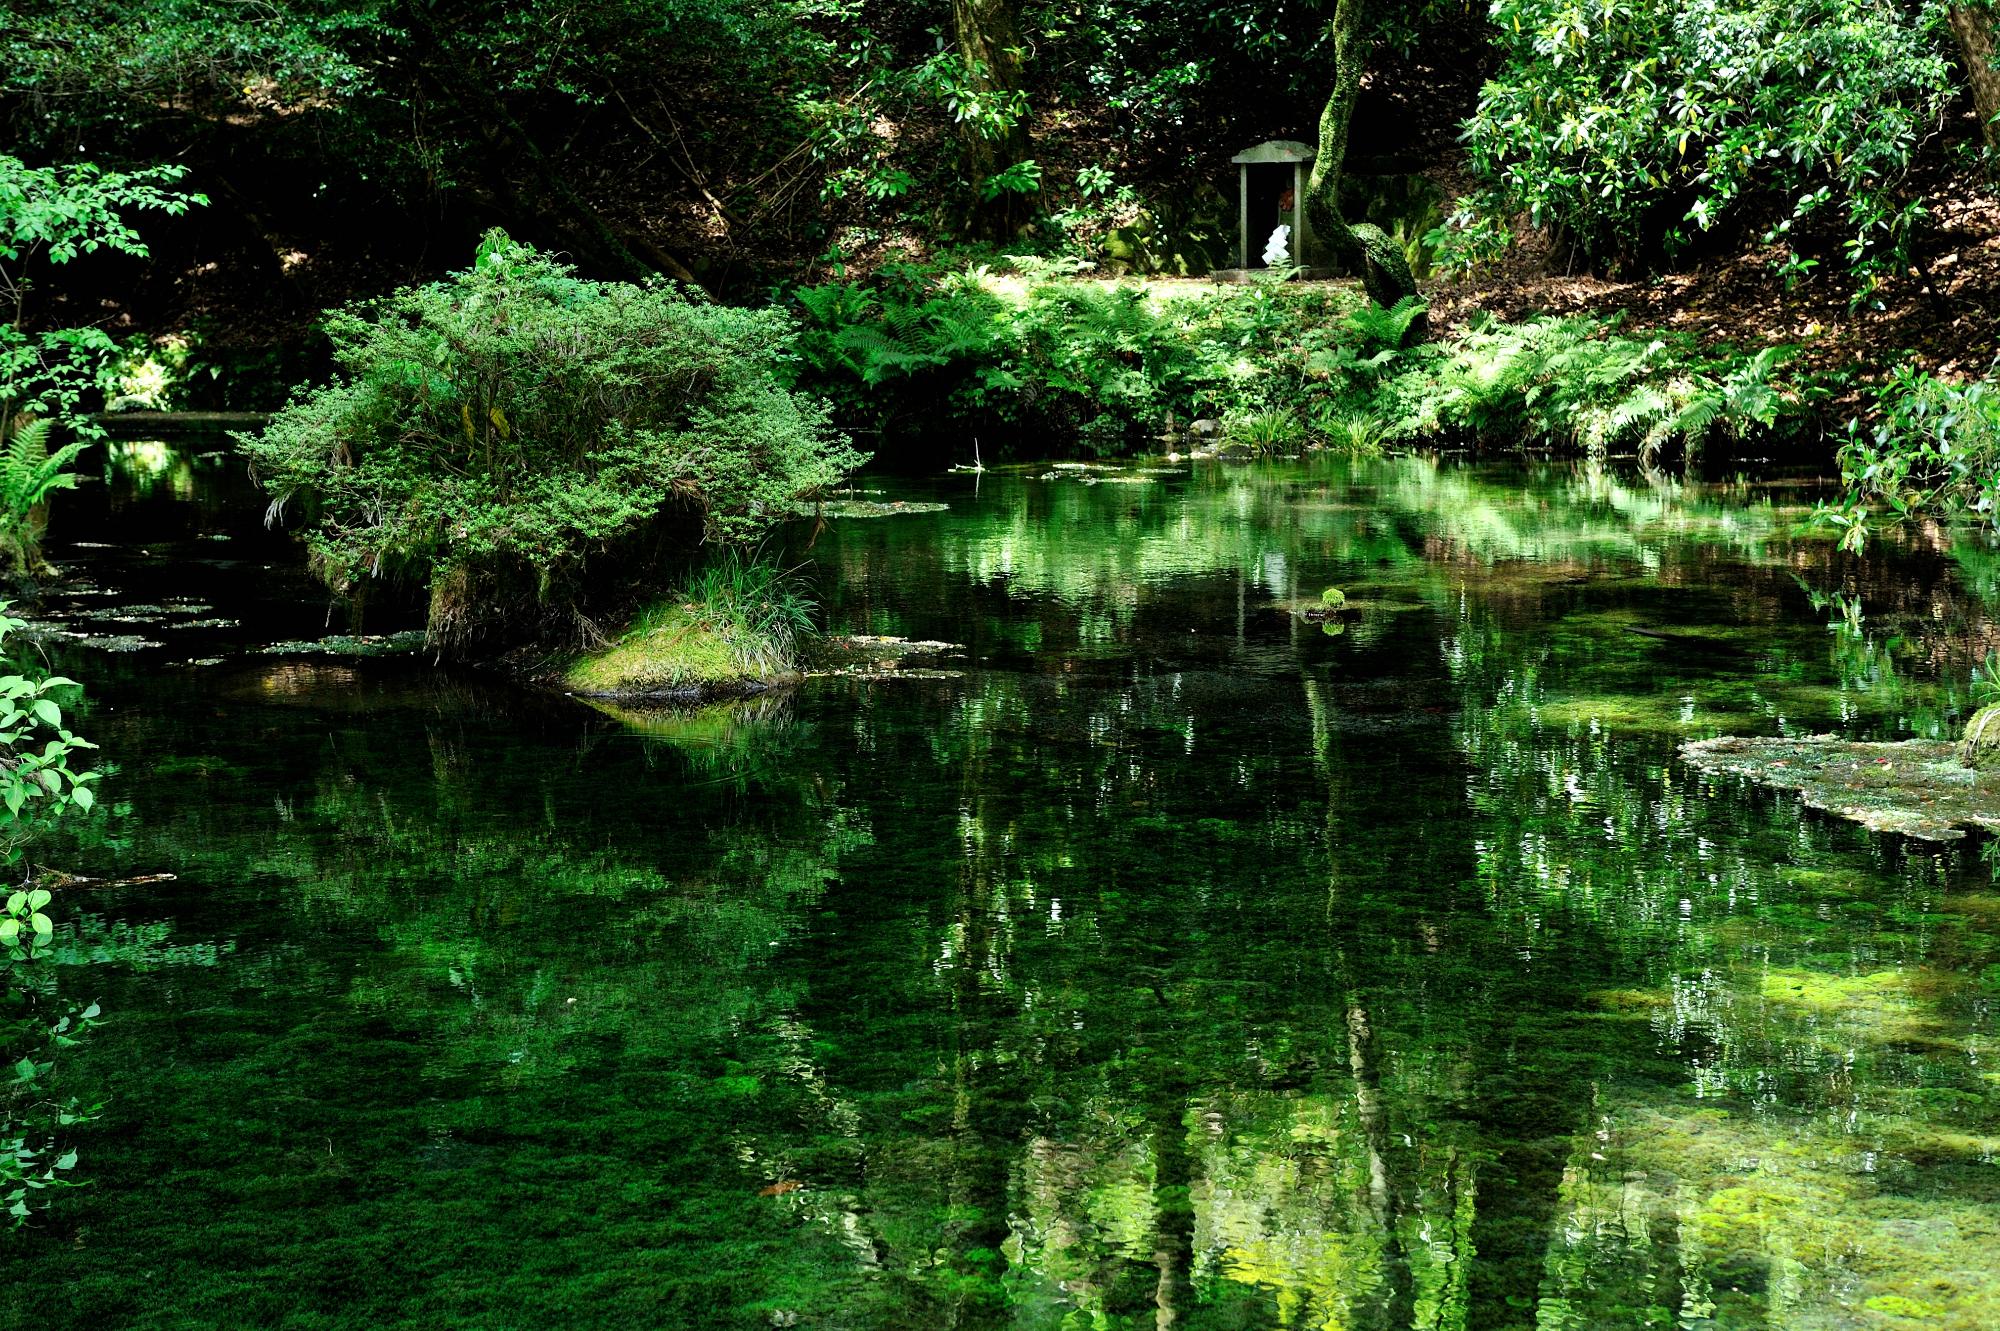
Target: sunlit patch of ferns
(1565, 379)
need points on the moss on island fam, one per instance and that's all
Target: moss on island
(676, 650)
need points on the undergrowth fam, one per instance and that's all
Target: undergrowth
(1929, 448)
(1095, 367)
(1085, 366)
(1578, 383)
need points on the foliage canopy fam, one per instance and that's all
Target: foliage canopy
(1634, 126)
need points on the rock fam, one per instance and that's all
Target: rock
(1918, 787)
(1980, 749)
(1205, 428)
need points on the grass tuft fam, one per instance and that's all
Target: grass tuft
(735, 622)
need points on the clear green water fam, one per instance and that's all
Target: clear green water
(1173, 963)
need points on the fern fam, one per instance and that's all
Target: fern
(1643, 406)
(874, 355)
(1694, 421)
(29, 473)
(1387, 328)
(836, 304)
(958, 334)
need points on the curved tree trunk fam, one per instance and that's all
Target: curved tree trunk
(1362, 248)
(1973, 26)
(989, 42)
(1323, 214)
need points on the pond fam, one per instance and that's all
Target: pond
(1142, 953)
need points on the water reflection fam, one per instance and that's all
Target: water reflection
(1177, 965)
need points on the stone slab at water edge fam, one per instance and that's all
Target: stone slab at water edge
(1920, 788)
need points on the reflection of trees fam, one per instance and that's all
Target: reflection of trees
(1400, 981)
(1653, 595)
(1795, 984)
(1102, 550)
(1424, 1106)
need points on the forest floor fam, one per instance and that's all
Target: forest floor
(1941, 315)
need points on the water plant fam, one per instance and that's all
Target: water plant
(1268, 433)
(1340, 427)
(734, 623)
(760, 607)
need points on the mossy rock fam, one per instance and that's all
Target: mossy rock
(674, 653)
(1918, 787)
(1980, 749)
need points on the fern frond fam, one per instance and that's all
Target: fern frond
(27, 449)
(1694, 420)
(1643, 405)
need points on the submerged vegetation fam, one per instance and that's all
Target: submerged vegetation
(1166, 923)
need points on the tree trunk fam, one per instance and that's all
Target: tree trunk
(989, 43)
(1973, 25)
(1363, 248)
(1350, 55)
(1173, 1210)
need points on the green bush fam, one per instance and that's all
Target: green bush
(496, 437)
(38, 787)
(1930, 447)
(1633, 125)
